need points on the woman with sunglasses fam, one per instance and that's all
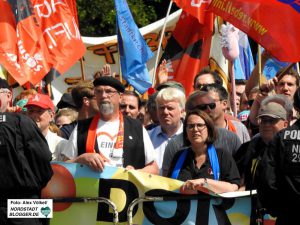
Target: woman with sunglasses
(201, 165)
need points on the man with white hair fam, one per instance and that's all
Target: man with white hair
(170, 104)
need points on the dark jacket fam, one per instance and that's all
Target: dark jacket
(248, 158)
(279, 184)
(134, 153)
(24, 157)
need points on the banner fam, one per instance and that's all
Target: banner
(77, 187)
(273, 24)
(134, 51)
(104, 50)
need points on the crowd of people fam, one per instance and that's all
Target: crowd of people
(195, 138)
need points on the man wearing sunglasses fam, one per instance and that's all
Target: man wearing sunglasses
(206, 76)
(226, 140)
(216, 110)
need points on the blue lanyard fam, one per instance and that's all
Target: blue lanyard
(213, 158)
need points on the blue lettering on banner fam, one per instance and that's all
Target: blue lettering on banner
(293, 3)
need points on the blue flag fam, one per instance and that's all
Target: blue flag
(134, 51)
(272, 66)
(244, 64)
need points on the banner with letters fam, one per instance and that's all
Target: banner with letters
(104, 50)
(74, 185)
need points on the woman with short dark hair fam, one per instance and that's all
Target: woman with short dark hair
(201, 165)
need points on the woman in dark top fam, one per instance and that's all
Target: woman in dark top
(201, 165)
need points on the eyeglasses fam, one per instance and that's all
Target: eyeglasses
(199, 126)
(108, 92)
(269, 120)
(203, 107)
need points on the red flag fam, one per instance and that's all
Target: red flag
(274, 24)
(188, 49)
(38, 37)
(196, 8)
(22, 51)
(73, 8)
(61, 33)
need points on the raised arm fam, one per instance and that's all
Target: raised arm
(254, 78)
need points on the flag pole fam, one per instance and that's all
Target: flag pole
(162, 34)
(82, 69)
(233, 88)
(120, 68)
(259, 66)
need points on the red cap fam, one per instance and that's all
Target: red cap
(42, 101)
(151, 91)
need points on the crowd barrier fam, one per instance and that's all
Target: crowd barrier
(117, 196)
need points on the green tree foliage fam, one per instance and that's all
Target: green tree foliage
(97, 18)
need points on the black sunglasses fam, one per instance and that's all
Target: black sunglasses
(203, 107)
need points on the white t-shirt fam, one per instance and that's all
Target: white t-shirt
(107, 133)
(56, 145)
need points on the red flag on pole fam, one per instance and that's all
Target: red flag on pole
(38, 37)
(188, 49)
(274, 24)
(61, 33)
(22, 50)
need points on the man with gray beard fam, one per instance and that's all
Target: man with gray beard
(111, 138)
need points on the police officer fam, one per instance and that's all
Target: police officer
(279, 186)
(24, 159)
